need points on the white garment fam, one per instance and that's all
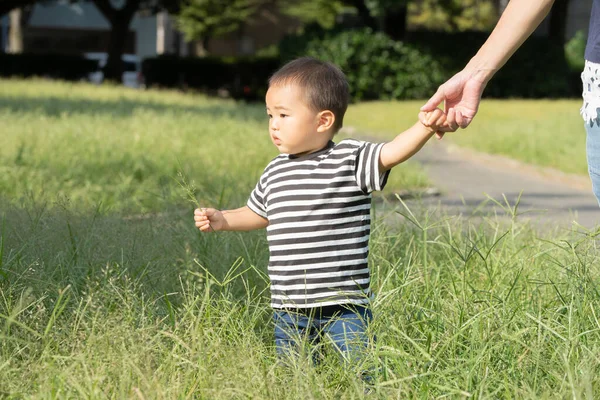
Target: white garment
(590, 77)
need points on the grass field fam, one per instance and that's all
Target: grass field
(547, 133)
(107, 290)
(124, 148)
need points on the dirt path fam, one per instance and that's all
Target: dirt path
(467, 179)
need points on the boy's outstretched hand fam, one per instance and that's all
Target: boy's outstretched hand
(208, 219)
(434, 120)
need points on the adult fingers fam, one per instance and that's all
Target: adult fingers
(462, 120)
(435, 100)
(451, 123)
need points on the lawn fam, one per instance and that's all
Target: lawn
(108, 291)
(125, 148)
(547, 133)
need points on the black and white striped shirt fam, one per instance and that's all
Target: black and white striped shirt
(318, 207)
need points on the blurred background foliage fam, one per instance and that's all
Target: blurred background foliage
(389, 49)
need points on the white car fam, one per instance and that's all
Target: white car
(132, 69)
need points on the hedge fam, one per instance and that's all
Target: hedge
(244, 77)
(56, 66)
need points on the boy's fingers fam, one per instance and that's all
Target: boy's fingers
(204, 228)
(441, 120)
(205, 211)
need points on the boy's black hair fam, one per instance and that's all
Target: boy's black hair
(324, 84)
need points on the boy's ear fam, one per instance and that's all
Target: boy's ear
(325, 121)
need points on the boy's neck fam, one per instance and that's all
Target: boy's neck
(311, 154)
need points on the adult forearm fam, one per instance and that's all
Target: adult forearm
(517, 23)
(243, 219)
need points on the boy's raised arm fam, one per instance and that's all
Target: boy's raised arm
(240, 219)
(406, 144)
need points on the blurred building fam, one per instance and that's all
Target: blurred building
(80, 27)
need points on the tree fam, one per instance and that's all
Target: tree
(500, 5)
(324, 12)
(392, 16)
(455, 15)
(364, 12)
(205, 19)
(120, 18)
(8, 5)
(558, 21)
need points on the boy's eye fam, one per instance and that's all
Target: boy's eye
(270, 116)
(282, 115)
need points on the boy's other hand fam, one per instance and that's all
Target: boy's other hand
(434, 120)
(208, 219)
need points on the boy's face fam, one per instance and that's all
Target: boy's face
(293, 126)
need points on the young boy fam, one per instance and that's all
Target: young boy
(315, 200)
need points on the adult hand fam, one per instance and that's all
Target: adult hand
(461, 95)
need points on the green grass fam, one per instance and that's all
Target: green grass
(125, 148)
(111, 295)
(547, 133)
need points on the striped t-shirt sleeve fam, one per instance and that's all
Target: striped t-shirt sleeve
(256, 201)
(368, 176)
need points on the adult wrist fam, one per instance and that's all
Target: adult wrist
(480, 70)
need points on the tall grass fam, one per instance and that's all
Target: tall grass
(100, 306)
(101, 300)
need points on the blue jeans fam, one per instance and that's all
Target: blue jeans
(590, 112)
(593, 156)
(344, 326)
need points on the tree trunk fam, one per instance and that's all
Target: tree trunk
(500, 6)
(394, 22)
(364, 13)
(15, 37)
(119, 20)
(558, 21)
(113, 70)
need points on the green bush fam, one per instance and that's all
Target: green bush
(378, 67)
(575, 51)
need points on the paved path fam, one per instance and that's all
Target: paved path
(465, 179)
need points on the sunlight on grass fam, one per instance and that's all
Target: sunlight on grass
(124, 148)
